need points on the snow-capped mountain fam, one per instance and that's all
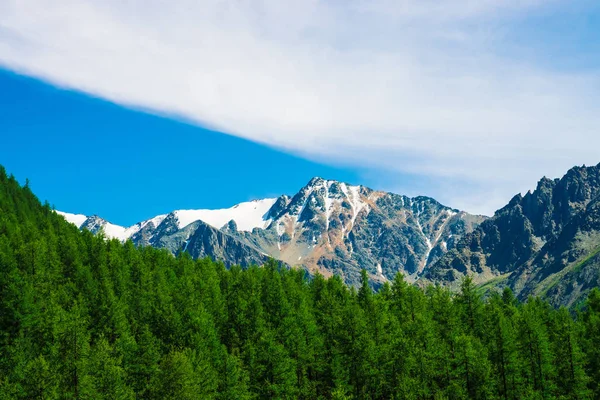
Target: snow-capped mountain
(336, 228)
(247, 216)
(328, 226)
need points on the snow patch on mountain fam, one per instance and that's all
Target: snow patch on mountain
(356, 202)
(427, 240)
(156, 221)
(75, 219)
(247, 216)
(121, 233)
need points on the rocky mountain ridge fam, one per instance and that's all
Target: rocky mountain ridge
(546, 243)
(328, 226)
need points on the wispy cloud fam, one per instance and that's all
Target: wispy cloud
(418, 86)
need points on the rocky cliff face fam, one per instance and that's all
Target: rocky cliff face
(335, 228)
(544, 243)
(328, 226)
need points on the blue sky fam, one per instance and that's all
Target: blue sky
(467, 101)
(88, 156)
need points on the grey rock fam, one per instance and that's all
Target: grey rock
(543, 244)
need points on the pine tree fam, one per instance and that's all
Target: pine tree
(143, 364)
(570, 374)
(40, 380)
(591, 327)
(502, 338)
(178, 379)
(72, 348)
(534, 350)
(470, 306)
(472, 367)
(234, 382)
(107, 374)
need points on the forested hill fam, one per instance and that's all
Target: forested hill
(88, 318)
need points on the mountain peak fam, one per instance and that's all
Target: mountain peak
(319, 181)
(315, 181)
(327, 226)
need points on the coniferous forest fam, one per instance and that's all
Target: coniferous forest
(83, 317)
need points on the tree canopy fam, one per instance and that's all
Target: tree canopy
(83, 317)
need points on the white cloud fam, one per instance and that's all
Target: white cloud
(417, 86)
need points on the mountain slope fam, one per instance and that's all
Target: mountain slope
(176, 234)
(543, 243)
(328, 226)
(335, 228)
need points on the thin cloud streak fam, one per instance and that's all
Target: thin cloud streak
(411, 86)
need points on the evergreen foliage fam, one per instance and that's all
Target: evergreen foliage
(82, 317)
